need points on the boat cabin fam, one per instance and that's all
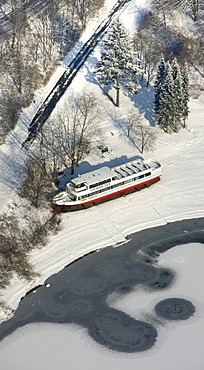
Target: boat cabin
(92, 180)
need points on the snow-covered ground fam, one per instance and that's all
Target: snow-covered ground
(179, 344)
(179, 195)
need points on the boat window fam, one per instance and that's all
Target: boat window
(141, 176)
(99, 183)
(115, 178)
(81, 185)
(127, 181)
(108, 188)
(157, 165)
(147, 174)
(93, 185)
(115, 186)
(94, 193)
(104, 189)
(82, 197)
(145, 165)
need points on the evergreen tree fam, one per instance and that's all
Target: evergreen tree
(185, 94)
(118, 66)
(178, 93)
(161, 74)
(171, 95)
(166, 113)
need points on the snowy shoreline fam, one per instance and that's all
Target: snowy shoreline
(178, 345)
(54, 342)
(147, 241)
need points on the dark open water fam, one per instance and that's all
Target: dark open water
(78, 293)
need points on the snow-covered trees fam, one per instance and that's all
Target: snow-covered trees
(23, 228)
(119, 65)
(185, 95)
(184, 5)
(36, 184)
(161, 75)
(32, 41)
(171, 95)
(86, 8)
(165, 102)
(178, 93)
(148, 52)
(192, 6)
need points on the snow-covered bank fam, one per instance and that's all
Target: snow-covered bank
(179, 344)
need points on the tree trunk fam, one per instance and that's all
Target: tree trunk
(195, 10)
(184, 123)
(72, 167)
(117, 87)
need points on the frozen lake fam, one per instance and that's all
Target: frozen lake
(179, 344)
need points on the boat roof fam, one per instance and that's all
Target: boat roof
(95, 176)
(123, 170)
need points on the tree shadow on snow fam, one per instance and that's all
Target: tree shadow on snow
(90, 67)
(12, 170)
(144, 101)
(72, 53)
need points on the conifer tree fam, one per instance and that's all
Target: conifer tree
(166, 113)
(171, 95)
(118, 66)
(178, 93)
(161, 74)
(185, 94)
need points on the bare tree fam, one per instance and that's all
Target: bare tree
(74, 131)
(17, 61)
(149, 54)
(10, 107)
(13, 251)
(36, 184)
(146, 137)
(67, 31)
(140, 134)
(165, 6)
(133, 117)
(185, 5)
(19, 237)
(159, 7)
(87, 8)
(45, 34)
(18, 21)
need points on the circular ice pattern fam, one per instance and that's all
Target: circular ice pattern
(118, 331)
(175, 309)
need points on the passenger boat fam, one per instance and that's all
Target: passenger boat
(107, 183)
